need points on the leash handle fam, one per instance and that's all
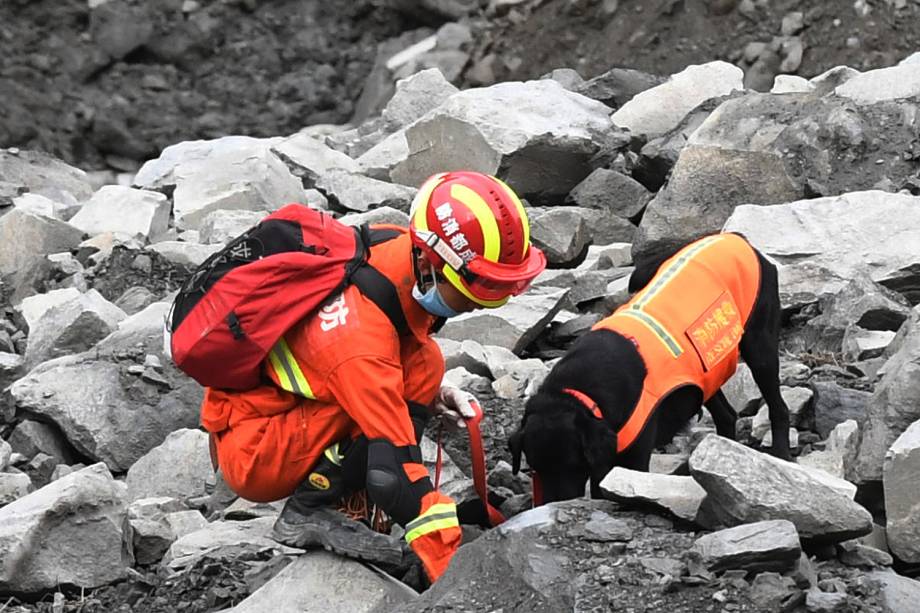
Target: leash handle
(478, 457)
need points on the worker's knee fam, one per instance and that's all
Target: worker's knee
(387, 483)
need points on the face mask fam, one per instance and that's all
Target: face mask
(432, 301)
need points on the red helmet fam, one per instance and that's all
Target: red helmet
(475, 231)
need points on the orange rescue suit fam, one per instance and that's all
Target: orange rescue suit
(339, 373)
(687, 322)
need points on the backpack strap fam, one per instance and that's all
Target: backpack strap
(372, 283)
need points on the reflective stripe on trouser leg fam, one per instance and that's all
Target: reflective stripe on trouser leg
(439, 517)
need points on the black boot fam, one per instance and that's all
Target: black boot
(308, 518)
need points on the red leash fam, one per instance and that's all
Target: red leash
(478, 457)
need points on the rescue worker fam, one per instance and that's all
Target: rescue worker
(349, 397)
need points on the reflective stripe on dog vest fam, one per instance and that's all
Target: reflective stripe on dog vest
(290, 377)
(687, 322)
(438, 517)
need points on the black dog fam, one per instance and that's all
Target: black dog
(566, 444)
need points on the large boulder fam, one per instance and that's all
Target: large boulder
(124, 210)
(180, 467)
(893, 407)
(705, 186)
(319, 582)
(71, 326)
(809, 145)
(680, 495)
(355, 192)
(902, 497)
(759, 546)
(537, 135)
(746, 486)
(25, 240)
(34, 172)
(659, 109)
(86, 394)
(826, 242)
(68, 532)
(883, 84)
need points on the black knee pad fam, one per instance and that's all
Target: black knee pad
(387, 483)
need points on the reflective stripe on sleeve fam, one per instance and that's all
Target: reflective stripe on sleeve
(288, 371)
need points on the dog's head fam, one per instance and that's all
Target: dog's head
(564, 444)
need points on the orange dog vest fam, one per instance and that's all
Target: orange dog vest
(687, 322)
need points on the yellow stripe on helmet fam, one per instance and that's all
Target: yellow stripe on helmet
(525, 222)
(454, 279)
(419, 208)
(491, 239)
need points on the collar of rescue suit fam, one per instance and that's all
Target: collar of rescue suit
(394, 259)
(585, 400)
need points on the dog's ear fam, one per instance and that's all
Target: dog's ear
(515, 445)
(599, 444)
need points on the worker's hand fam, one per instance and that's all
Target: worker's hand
(454, 406)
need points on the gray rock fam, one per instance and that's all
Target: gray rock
(860, 344)
(537, 135)
(520, 378)
(71, 326)
(791, 84)
(679, 495)
(893, 407)
(512, 326)
(773, 592)
(135, 299)
(319, 582)
(750, 486)
(618, 86)
(561, 233)
(180, 467)
(760, 546)
(118, 28)
(86, 394)
(25, 239)
(829, 234)
(226, 539)
(31, 437)
(742, 391)
(661, 108)
(893, 83)
(567, 78)
(902, 497)
(415, 96)
(861, 303)
(220, 227)
(189, 255)
(13, 486)
(156, 523)
(382, 215)
(611, 191)
(854, 553)
(835, 404)
(124, 210)
(839, 451)
(796, 399)
(181, 160)
(35, 172)
(53, 531)
(6, 451)
(465, 380)
(900, 594)
(817, 601)
(468, 354)
(310, 158)
(706, 185)
(250, 179)
(355, 192)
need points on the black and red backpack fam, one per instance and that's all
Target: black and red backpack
(237, 304)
